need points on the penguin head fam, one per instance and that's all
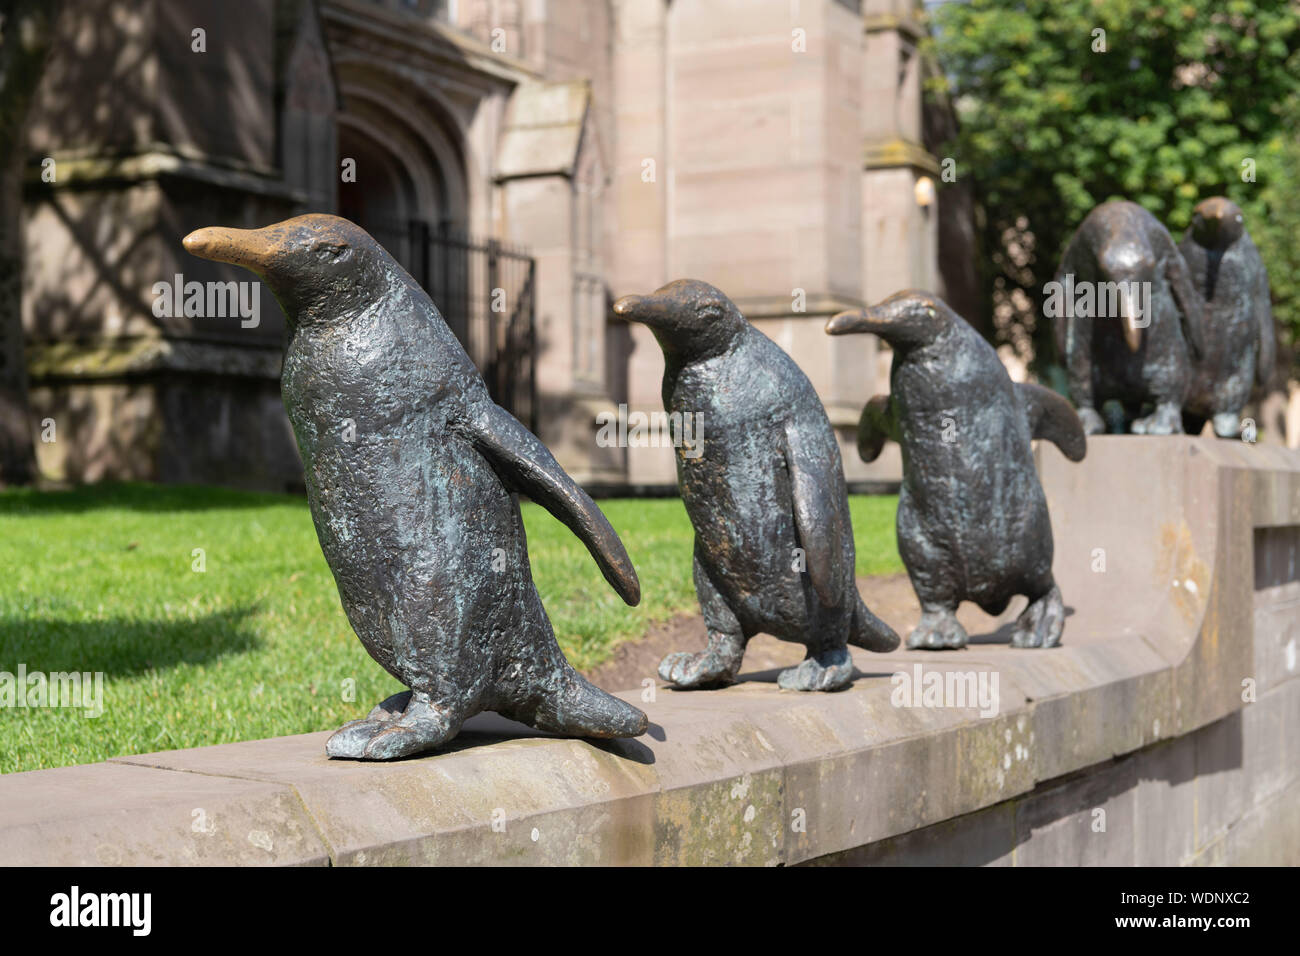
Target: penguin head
(688, 317)
(1129, 261)
(1217, 223)
(907, 319)
(1126, 260)
(315, 264)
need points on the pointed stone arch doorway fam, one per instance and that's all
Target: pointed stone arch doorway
(411, 192)
(406, 163)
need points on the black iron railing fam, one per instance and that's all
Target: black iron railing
(485, 290)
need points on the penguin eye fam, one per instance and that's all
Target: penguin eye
(1238, 219)
(712, 311)
(332, 253)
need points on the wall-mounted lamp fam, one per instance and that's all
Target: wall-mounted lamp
(923, 192)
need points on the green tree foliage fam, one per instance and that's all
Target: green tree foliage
(1174, 102)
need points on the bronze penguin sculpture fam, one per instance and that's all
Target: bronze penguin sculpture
(410, 469)
(972, 519)
(765, 493)
(1114, 346)
(1240, 342)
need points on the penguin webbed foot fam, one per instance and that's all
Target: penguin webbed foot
(350, 740)
(828, 669)
(714, 666)
(1041, 623)
(1227, 425)
(389, 732)
(1167, 419)
(938, 630)
(390, 708)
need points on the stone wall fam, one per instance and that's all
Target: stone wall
(786, 143)
(1228, 793)
(155, 131)
(1163, 731)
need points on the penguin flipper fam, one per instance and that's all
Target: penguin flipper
(1050, 416)
(525, 465)
(1266, 350)
(1191, 304)
(820, 534)
(876, 426)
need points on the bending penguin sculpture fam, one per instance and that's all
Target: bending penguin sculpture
(1125, 312)
(409, 468)
(972, 519)
(1240, 343)
(764, 491)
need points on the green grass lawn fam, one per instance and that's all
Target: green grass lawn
(256, 645)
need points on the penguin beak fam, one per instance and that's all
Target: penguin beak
(1212, 210)
(626, 306)
(242, 247)
(1130, 312)
(854, 320)
(645, 309)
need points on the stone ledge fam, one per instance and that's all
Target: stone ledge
(81, 170)
(148, 355)
(114, 813)
(752, 774)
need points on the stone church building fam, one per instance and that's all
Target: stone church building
(527, 161)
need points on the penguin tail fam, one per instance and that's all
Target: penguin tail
(581, 709)
(870, 632)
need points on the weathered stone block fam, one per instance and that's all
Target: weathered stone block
(119, 815)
